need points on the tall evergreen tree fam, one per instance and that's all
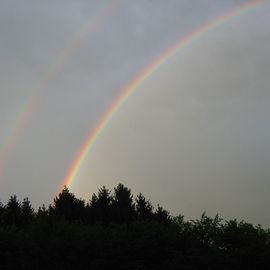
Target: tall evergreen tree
(101, 205)
(68, 206)
(144, 209)
(27, 212)
(162, 215)
(91, 210)
(123, 206)
(12, 212)
(42, 212)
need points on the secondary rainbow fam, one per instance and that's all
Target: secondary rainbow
(27, 109)
(148, 71)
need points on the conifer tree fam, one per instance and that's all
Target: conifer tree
(123, 206)
(42, 212)
(27, 212)
(12, 212)
(162, 215)
(144, 209)
(91, 210)
(101, 205)
(68, 206)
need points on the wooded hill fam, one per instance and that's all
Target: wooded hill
(114, 230)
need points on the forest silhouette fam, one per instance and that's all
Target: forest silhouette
(115, 230)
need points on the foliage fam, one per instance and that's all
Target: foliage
(113, 231)
(123, 208)
(144, 208)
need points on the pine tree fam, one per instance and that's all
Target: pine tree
(27, 212)
(101, 205)
(12, 212)
(162, 215)
(91, 210)
(68, 206)
(123, 206)
(42, 212)
(144, 209)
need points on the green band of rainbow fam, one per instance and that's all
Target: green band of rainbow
(148, 71)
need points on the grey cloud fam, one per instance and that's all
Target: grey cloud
(173, 145)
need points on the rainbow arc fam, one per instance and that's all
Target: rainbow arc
(144, 75)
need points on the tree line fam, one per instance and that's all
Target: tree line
(116, 230)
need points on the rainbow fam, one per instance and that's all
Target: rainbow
(26, 111)
(144, 75)
(19, 123)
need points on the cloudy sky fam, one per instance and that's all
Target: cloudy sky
(195, 135)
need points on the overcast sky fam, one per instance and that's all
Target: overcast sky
(194, 137)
